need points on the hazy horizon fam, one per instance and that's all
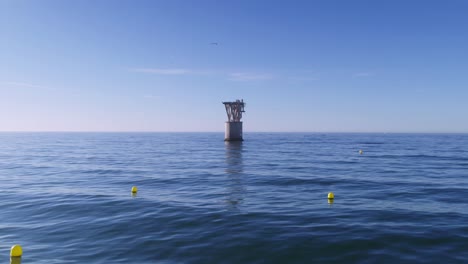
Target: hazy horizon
(266, 132)
(165, 66)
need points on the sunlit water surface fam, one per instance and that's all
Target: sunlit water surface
(65, 197)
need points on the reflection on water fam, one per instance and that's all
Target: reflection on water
(15, 260)
(234, 172)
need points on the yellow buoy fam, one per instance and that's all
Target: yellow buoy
(16, 251)
(360, 151)
(331, 195)
(134, 189)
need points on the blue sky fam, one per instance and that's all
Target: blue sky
(318, 66)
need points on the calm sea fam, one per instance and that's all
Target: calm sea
(65, 197)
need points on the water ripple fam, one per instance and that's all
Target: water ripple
(66, 198)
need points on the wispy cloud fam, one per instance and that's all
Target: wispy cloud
(233, 76)
(163, 71)
(362, 74)
(247, 76)
(305, 78)
(21, 84)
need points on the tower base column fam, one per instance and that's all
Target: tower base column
(233, 131)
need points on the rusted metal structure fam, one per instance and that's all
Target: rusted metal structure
(233, 126)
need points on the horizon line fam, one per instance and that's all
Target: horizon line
(304, 132)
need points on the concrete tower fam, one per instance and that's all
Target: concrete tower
(233, 126)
